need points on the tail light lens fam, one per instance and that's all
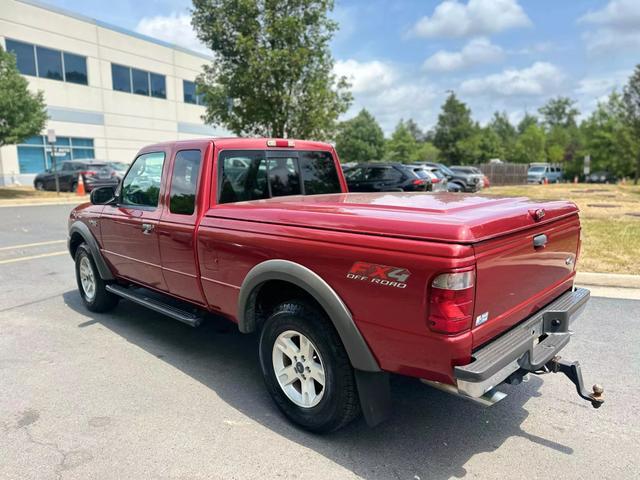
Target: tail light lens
(418, 182)
(451, 302)
(88, 173)
(435, 180)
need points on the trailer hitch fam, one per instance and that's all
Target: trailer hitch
(573, 372)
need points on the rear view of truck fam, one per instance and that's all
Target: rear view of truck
(518, 301)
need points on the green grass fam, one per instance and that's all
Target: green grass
(610, 236)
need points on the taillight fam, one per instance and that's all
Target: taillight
(88, 173)
(435, 180)
(417, 181)
(280, 143)
(451, 302)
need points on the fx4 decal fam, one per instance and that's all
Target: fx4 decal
(379, 274)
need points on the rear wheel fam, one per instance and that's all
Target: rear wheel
(306, 368)
(92, 288)
(39, 185)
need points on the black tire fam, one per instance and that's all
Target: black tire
(339, 404)
(74, 187)
(39, 185)
(102, 301)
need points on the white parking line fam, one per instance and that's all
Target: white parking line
(32, 257)
(29, 245)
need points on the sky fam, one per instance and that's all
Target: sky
(403, 57)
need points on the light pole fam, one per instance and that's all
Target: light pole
(51, 138)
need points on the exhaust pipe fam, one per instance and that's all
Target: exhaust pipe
(489, 398)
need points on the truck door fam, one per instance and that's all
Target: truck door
(129, 228)
(176, 229)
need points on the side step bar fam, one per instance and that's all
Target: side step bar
(191, 319)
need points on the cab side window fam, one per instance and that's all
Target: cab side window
(141, 186)
(184, 182)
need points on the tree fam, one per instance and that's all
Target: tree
(559, 112)
(527, 120)
(360, 139)
(631, 99)
(530, 145)
(402, 146)
(22, 113)
(414, 130)
(454, 125)
(272, 73)
(608, 139)
(426, 152)
(480, 147)
(506, 132)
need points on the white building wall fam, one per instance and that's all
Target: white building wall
(120, 123)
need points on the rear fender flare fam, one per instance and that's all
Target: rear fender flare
(359, 353)
(80, 228)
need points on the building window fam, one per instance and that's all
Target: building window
(25, 56)
(141, 82)
(190, 94)
(158, 86)
(75, 68)
(34, 154)
(45, 62)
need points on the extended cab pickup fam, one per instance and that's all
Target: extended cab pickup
(464, 292)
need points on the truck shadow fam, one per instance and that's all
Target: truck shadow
(423, 439)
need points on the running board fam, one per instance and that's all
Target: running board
(191, 319)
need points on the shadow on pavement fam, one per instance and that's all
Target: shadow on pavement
(430, 435)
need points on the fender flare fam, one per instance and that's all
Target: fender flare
(359, 353)
(80, 228)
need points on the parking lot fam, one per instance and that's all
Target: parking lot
(132, 394)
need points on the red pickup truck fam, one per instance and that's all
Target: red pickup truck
(464, 292)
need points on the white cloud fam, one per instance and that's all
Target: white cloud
(596, 88)
(174, 28)
(539, 79)
(390, 92)
(617, 27)
(366, 76)
(477, 52)
(478, 17)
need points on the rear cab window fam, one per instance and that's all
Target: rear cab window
(184, 182)
(258, 174)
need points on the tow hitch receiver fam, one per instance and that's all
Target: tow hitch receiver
(573, 372)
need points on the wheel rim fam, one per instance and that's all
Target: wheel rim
(87, 279)
(299, 369)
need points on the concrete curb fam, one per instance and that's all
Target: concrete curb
(40, 203)
(617, 280)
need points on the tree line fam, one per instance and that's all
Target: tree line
(610, 135)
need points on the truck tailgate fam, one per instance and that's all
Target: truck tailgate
(515, 278)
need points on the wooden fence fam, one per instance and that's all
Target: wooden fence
(505, 173)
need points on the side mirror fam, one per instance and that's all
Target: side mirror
(103, 196)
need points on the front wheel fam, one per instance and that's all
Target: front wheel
(306, 368)
(92, 288)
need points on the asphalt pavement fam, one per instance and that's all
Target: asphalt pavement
(135, 395)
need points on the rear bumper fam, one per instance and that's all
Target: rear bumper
(529, 346)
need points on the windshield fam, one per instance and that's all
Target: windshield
(537, 169)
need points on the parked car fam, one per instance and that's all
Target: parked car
(387, 177)
(120, 168)
(473, 178)
(464, 293)
(601, 177)
(455, 182)
(434, 175)
(94, 174)
(539, 172)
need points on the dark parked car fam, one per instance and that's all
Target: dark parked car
(387, 177)
(601, 177)
(94, 174)
(120, 168)
(473, 176)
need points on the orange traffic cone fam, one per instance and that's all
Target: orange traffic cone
(546, 181)
(80, 191)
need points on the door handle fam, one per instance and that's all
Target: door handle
(147, 228)
(540, 241)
